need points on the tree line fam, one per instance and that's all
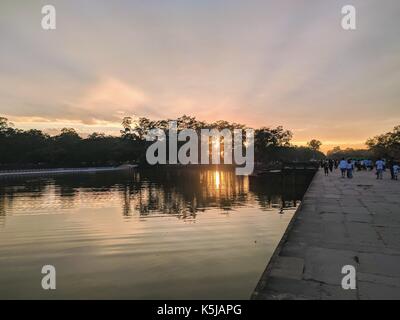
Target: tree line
(34, 148)
(386, 145)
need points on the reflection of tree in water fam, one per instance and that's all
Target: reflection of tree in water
(173, 191)
(280, 191)
(183, 192)
(10, 188)
(186, 191)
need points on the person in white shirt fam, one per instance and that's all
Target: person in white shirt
(350, 167)
(379, 164)
(343, 167)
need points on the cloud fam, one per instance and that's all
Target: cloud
(110, 99)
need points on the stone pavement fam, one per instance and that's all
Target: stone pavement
(340, 222)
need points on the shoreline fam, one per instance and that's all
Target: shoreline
(275, 256)
(16, 173)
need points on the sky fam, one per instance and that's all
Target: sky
(261, 63)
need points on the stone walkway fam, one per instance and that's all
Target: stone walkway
(340, 222)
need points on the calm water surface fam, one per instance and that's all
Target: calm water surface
(151, 234)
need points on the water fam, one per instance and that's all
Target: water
(151, 234)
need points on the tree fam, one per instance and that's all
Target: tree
(314, 144)
(336, 149)
(278, 137)
(349, 153)
(127, 126)
(96, 136)
(386, 145)
(5, 126)
(3, 123)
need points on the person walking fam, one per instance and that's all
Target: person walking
(326, 168)
(331, 165)
(396, 169)
(379, 164)
(343, 167)
(370, 166)
(350, 168)
(390, 165)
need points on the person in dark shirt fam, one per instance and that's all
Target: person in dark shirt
(391, 165)
(330, 165)
(326, 168)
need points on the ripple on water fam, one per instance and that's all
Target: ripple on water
(140, 236)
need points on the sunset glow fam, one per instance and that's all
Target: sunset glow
(231, 60)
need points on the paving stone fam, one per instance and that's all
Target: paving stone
(359, 217)
(325, 265)
(329, 292)
(282, 289)
(378, 279)
(377, 291)
(390, 235)
(288, 267)
(355, 210)
(381, 264)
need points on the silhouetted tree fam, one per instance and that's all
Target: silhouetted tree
(33, 148)
(386, 145)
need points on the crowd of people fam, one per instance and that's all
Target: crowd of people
(348, 166)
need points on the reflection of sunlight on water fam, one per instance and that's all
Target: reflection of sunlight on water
(217, 180)
(223, 184)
